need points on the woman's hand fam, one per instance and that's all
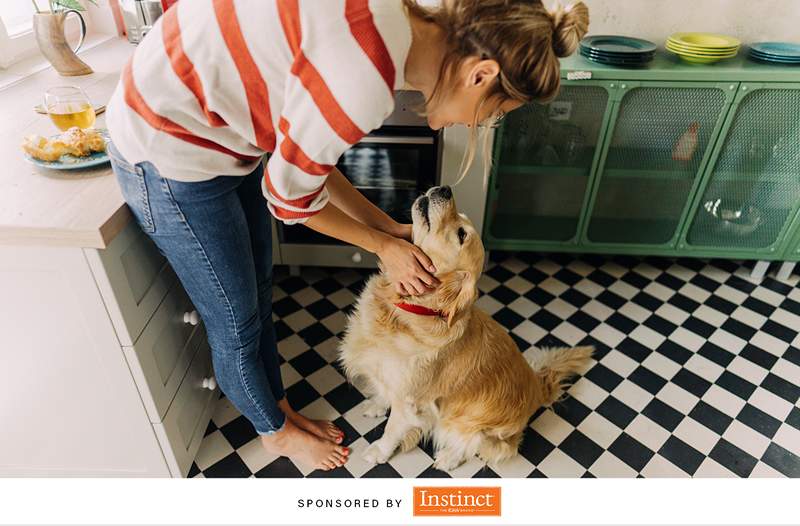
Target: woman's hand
(407, 266)
(401, 230)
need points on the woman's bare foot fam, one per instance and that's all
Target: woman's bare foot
(322, 428)
(299, 444)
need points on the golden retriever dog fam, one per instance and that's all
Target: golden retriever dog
(447, 370)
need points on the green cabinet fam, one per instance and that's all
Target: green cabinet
(658, 144)
(547, 157)
(698, 162)
(752, 192)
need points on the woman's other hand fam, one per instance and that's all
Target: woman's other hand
(401, 230)
(407, 266)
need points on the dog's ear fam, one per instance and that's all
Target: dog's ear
(456, 294)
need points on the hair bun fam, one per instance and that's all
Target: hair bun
(570, 25)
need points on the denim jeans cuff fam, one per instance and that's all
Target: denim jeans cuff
(273, 431)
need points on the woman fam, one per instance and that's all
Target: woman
(217, 84)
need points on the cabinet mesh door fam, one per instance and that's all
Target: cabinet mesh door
(756, 181)
(659, 140)
(544, 164)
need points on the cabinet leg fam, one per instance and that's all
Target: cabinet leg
(759, 270)
(785, 272)
(485, 259)
(294, 270)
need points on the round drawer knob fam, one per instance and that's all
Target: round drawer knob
(210, 383)
(356, 257)
(192, 318)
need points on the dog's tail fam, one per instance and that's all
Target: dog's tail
(554, 367)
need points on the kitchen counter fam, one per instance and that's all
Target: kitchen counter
(81, 208)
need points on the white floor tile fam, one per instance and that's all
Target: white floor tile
(659, 467)
(558, 464)
(289, 376)
(678, 398)
(529, 331)
(255, 456)
(771, 403)
(704, 368)
(551, 426)
(723, 400)
(712, 469)
(746, 439)
(361, 423)
(619, 363)
(647, 432)
(697, 435)
(788, 438)
(299, 320)
(609, 466)
(632, 395)
(600, 430)
(588, 393)
(524, 307)
(727, 341)
(224, 412)
(411, 463)
(325, 379)
(748, 370)
(320, 409)
(214, 448)
(763, 471)
(292, 346)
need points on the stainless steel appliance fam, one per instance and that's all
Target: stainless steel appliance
(139, 17)
(391, 167)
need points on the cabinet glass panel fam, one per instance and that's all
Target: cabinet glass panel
(543, 166)
(660, 137)
(756, 181)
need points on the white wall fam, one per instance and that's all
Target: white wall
(748, 20)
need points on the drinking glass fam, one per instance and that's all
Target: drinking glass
(69, 106)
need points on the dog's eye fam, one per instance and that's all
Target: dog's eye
(462, 235)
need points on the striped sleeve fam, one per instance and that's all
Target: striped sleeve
(327, 108)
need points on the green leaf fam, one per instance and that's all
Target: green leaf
(69, 4)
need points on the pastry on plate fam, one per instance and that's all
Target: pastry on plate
(74, 141)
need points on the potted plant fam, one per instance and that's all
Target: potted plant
(48, 27)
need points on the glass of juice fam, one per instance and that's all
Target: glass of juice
(69, 106)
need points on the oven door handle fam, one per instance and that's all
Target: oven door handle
(396, 140)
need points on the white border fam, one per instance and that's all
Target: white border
(273, 501)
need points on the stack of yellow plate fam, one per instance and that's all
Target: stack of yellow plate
(702, 48)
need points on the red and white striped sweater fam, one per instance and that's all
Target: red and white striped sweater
(218, 83)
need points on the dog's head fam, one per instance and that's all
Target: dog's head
(455, 248)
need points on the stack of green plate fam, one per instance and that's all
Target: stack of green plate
(702, 48)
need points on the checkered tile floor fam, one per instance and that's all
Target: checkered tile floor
(697, 372)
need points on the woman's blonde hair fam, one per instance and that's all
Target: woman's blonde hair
(522, 36)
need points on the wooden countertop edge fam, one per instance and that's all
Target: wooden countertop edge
(69, 237)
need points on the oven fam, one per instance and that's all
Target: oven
(391, 166)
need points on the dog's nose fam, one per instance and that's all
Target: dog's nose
(442, 192)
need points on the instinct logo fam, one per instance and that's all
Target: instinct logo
(448, 500)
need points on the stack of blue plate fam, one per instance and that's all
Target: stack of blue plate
(616, 50)
(775, 52)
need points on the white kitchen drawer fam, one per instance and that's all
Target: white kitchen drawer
(161, 355)
(183, 427)
(133, 277)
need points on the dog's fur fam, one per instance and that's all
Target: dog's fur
(459, 377)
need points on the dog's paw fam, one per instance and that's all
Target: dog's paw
(375, 455)
(448, 461)
(372, 409)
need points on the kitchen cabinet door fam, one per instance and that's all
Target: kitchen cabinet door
(544, 160)
(660, 140)
(753, 190)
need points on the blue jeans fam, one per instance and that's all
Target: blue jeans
(217, 236)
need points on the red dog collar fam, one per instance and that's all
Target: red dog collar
(419, 309)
